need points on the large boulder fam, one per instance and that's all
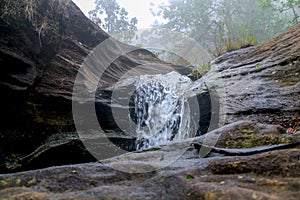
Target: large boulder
(43, 43)
(260, 83)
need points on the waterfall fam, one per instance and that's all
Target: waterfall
(160, 109)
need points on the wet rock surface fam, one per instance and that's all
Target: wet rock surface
(43, 43)
(270, 175)
(260, 84)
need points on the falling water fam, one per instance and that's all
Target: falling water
(158, 110)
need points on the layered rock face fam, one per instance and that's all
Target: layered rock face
(42, 47)
(43, 44)
(261, 82)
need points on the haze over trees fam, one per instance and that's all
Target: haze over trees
(113, 18)
(282, 6)
(223, 25)
(218, 25)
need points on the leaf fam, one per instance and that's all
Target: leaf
(18, 181)
(190, 177)
(258, 68)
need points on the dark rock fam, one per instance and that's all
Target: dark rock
(59, 149)
(42, 45)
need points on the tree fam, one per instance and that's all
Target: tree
(114, 19)
(285, 6)
(221, 25)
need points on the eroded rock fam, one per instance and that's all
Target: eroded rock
(270, 175)
(42, 46)
(260, 83)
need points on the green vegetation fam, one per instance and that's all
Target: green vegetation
(5, 182)
(114, 20)
(231, 43)
(18, 181)
(249, 138)
(218, 26)
(221, 26)
(258, 68)
(32, 182)
(284, 6)
(199, 71)
(190, 177)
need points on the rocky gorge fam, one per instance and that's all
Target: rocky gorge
(43, 45)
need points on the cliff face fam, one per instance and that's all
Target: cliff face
(261, 83)
(42, 45)
(44, 42)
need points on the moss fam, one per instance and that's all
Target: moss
(258, 68)
(210, 196)
(18, 181)
(15, 156)
(21, 193)
(190, 177)
(35, 113)
(6, 182)
(248, 132)
(32, 182)
(253, 141)
(248, 139)
(290, 77)
(250, 135)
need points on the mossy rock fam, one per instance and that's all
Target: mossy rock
(249, 135)
(21, 193)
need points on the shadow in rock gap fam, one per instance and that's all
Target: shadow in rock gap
(204, 102)
(59, 149)
(137, 112)
(209, 107)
